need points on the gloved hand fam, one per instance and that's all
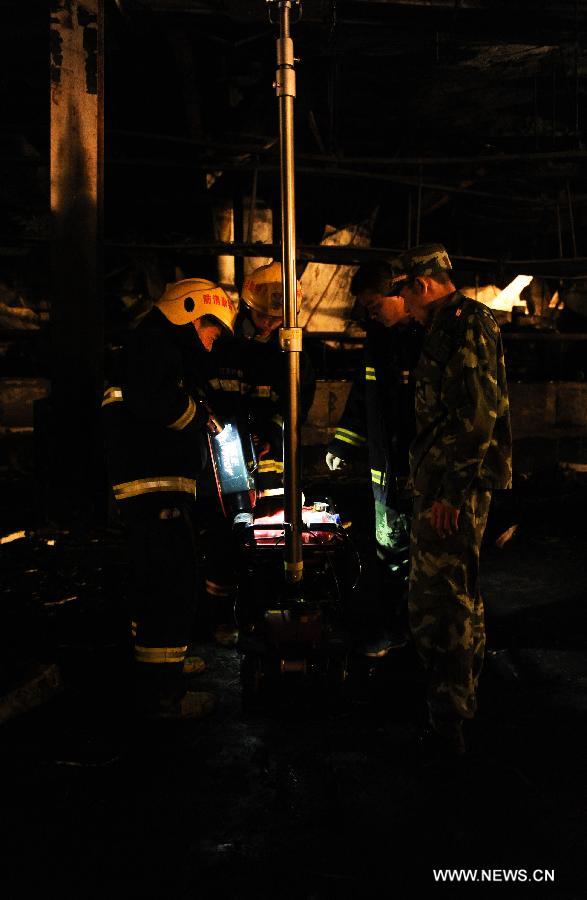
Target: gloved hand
(334, 462)
(213, 424)
(262, 447)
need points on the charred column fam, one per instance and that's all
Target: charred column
(76, 296)
(257, 227)
(223, 212)
(290, 334)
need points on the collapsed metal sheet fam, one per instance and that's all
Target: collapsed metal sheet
(327, 299)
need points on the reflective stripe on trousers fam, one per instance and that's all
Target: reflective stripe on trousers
(159, 655)
(127, 489)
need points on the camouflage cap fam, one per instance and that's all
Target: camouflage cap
(427, 259)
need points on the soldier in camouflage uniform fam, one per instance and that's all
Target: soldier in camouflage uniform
(461, 452)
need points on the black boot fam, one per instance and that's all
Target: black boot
(393, 594)
(441, 742)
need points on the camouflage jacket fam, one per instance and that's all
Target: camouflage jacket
(463, 434)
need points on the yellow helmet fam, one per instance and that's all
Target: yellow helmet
(190, 299)
(263, 290)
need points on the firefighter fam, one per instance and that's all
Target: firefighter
(249, 383)
(156, 420)
(257, 374)
(379, 416)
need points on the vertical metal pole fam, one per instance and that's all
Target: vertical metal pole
(252, 206)
(536, 141)
(419, 207)
(554, 103)
(291, 334)
(571, 219)
(577, 82)
(559, 231)
(409, 222)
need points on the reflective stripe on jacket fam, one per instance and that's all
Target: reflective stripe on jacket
(154, 426)
(379, 413)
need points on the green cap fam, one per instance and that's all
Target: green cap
(427, 259)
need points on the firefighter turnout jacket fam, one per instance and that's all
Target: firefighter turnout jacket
(249, 382)
(154, 419)
(379, 413)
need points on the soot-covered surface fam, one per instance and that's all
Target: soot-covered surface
(301, 799)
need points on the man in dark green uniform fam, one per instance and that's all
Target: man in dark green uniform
(461, 453)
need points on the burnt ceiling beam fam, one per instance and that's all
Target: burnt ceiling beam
(518, 21)
(345, 174)
(355, 256)
(553, 155)
(557, 267)
(262, 146)
(248, 151)
(336, 173)
(514, 22)
(266, 145)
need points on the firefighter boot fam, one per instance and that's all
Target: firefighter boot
(396, 627)
(366, 622)
(222, 597)
(374, 642)
(160, 693)
(436, 747)
(226, 634)
(192, 706)
(193, 665)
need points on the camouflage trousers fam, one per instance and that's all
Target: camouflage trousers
(446, 609)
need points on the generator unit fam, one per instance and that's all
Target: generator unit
(290, 634)
(294, 636)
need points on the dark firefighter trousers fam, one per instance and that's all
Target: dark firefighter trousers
(163, 560)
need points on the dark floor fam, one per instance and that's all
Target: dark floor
(306, 799)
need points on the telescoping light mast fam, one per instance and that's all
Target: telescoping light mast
(290, 335)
